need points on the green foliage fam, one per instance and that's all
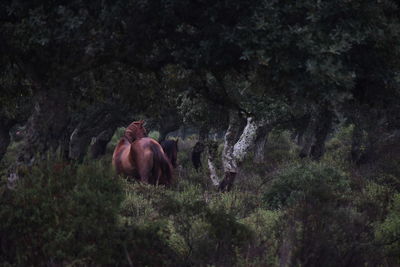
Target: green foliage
(302, 213)
(115, 139)
(61, 213)
(280, 148)
(321, 227)
(374, 200)
(339, 146)
(308, 183)
(154, 134)
(388, 232)
(264, 248)
(270, 59)
(198, 233)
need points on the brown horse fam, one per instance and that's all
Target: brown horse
(141, 157)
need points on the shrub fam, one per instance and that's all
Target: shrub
(319, 226)
(280, 148)
(310, 183)
(263, 249)
(339, 146)
(60, 214)
(201, 234)
(388, 233)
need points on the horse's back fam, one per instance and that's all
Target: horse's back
(161, 169)
(143, 159)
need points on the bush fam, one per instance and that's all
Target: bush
(60, 214)
(280, 148)
(209, 235)
(310, 183)
(320, 227)
(339, 146)
(263, 249)
(388, 233)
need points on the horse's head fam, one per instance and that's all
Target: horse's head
(135, 130)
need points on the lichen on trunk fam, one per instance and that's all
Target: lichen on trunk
(212, 154)
(237, 143)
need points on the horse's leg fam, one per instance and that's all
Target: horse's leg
(157, 174)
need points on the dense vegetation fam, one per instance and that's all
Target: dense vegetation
(287, 211)
(293, 107)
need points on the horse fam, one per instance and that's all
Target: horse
(170, 148)
(141, 157)
(196, 155)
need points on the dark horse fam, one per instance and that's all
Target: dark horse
(170, 148)
(141, 157)
(196, 154)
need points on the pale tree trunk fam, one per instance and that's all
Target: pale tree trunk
(212, 155)
(228, 161)
(259, 145)
(230, 138)
(235, 151)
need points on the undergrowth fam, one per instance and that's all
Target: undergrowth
(286, 212)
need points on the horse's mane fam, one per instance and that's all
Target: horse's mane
(135, 130)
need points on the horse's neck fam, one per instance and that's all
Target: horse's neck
(125, 140)
(131, 138)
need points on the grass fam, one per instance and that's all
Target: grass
(191, 224)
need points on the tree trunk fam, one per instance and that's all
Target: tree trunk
(288, 244)
(356, 142)
(46, 125)
(96, 121)
(167, 124)
(301, 125)
(212, 155)
(259, 146)
(321, 133)
(308, 137)
(198, 149)
(5, 127)
(235, 150)
(79, 143)
(203, 134)
(43, 131)
(98, 148)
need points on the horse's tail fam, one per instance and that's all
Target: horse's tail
(161, 161)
